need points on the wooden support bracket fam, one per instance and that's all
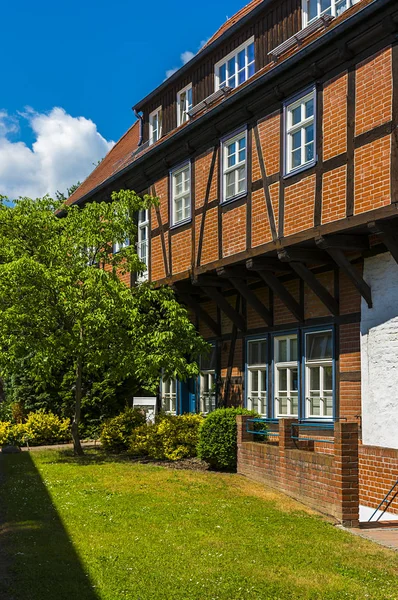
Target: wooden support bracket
(309, 278)
(200, 312)
(225, 306)
(388, 233)
(279, 289)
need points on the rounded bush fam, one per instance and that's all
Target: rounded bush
(218, 437)
(116, 432)
(171, 437)
(45, 428)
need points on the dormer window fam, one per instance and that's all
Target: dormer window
(237, 67)
(184, 104)
(155, 125)
(313, 9)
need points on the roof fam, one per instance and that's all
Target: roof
(232, 21)
(114, 161)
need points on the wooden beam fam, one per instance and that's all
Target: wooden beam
(252, 299)
(388, 233)
(351, 272)
(303, 255)
(279, 289)
(267, 264)
(343, 242)
(309, 278)
(225, 306)
(201, 313)
(209, 281)
(235, 271)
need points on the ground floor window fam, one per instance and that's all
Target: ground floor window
(257, 376)
(168, 394)
(208, 382)
(291, 374)
(286, 376)
(319, 374)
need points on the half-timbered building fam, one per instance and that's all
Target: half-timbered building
(274, 155)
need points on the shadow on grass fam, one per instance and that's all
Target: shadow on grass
(41, 561)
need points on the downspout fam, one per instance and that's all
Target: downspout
(141, 120)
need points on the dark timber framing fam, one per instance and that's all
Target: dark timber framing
(264, 177)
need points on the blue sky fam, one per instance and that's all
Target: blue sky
(95, 59)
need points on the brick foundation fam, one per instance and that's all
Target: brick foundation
(378, 471)
(325, 482)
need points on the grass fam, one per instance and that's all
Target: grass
(103, 529)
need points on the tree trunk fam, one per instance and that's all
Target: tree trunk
(77, 447)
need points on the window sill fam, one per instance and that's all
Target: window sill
(234, 199)
(181, 223)
(301, 169)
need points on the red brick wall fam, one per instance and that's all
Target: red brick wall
(335, 116)
(378, 471)
(328, 483)
(373, 104)
(299, 206)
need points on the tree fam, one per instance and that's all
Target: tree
(64, 308)
(60, 196)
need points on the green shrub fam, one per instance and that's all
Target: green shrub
(40, 428)
(171, 437)
(46, 428)
(218, 437)
(116, 432)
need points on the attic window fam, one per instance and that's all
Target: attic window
(237, 67)
(155, 125)
(184, 104)
(313, 9)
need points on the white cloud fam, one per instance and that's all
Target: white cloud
(184, 57)
(63, 152)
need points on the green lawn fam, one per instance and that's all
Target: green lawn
(103, 529)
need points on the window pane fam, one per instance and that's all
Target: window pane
(189, 99)
(294, 380)
(254, 353)
(282, 351)
(314, 379)
(241, 59)
(294, 405)
(309, 134)
(312, 9)
(283, 406)
(231, 67)
(315, 406)
(293, 349)
(250, 70)
(241, 180)
(296, 115)
(296, 158)
(319, 345)
(250, 53)
(254, 381)
(328, 405)
(282, 379)
(223, 74)
(309, 108)
(327, 378)
(241, 77)
(326, 5)
(309, 152)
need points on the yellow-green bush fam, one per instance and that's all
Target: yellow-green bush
(116, 432)
(40, 428)
(171, 437)
(46, 428)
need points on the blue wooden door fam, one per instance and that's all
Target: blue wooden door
(187, 397)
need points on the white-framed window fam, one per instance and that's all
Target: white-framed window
(207, 382)
(168, 393)
(237, 67)
(319, 374)
(184, 104)
(181, 194)
(313, 9)
(286, 369)
(257, 376)
(234, 165)
(155, 125)
(143, 241)
(119, 245)
(300, 151)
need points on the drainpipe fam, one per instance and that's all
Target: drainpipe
(141, 119)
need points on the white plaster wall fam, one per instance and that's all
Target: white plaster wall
(379, 353)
